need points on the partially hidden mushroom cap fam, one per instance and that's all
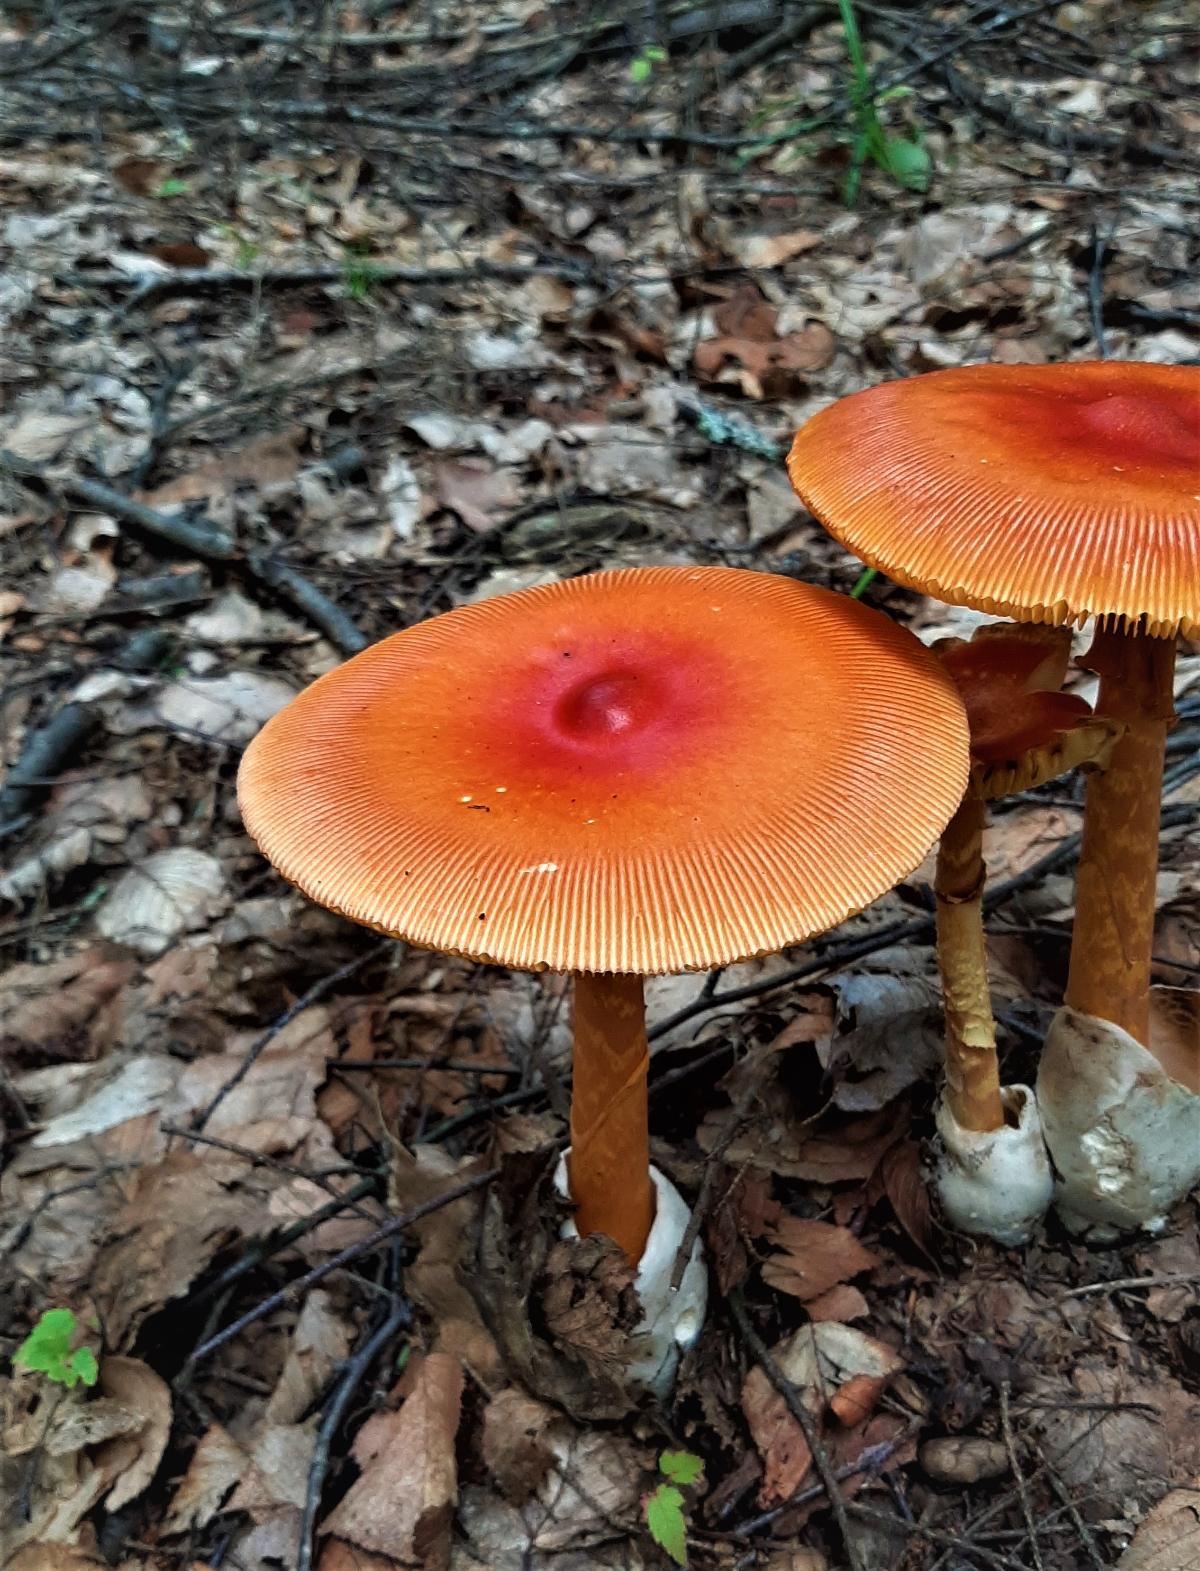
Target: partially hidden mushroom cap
(1024, 730)
(1046, 493)
(648, 770)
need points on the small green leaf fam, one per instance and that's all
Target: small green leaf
(907, 162)
(681, 1467)
(173, 187)
(654, 52)
(664, 1518)
(47, 1351)
(83, 1366)
(640, 69)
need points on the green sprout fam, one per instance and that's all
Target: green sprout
(47, 1350)
(641, 67)
(904, 158)
(865, 579)
(172, 186)
(666, 1515)
(360, 274)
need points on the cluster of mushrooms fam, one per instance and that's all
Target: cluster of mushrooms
(670, 769)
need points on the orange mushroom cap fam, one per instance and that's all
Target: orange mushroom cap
(648, 770)
(1045, 493)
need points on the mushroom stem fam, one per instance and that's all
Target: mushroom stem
(972, 1070)
(610, 1137)
(1118, 863)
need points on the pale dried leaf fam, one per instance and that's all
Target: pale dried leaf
(217, 1465)
(1169, 1538)
(171, 892)
(133, 1460)
(814, 1257)
(402, 1503)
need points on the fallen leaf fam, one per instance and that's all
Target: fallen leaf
(814, 1256)
(171, 892)
(778, 1438)
(217, 1465)
(514, 1443)
(899, 1177)
(963, 1459)
(477, 491)
(401, 1504)
(589, 1304)
(318, 1346)
(1169, 1538)
(267, 464)
(40, 438)
(766, 370)
(767, 251)
(67, 1002)
(843, 1303)
(132, 1460)
(180, 253)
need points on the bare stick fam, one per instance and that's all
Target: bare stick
(344, 1257)
(812, 1436)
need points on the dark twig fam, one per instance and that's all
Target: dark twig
(339, 628)
(179, 532)
(316, 992)
(218, 280)
(49, 747)
(352, 1376)
(1096, 291)
(1018, 1473)
(344, 1257)
(795, 1406)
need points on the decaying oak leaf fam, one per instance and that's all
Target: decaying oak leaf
(402, 1503)
(590, 1306)
(815, 1256)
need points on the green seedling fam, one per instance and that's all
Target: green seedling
(47, 1350)
(172, 186)
(360, 275)
(903, 157)
(641, 67)
(665, 1507)
(865, 579)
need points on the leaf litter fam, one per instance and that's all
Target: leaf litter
(310, 343)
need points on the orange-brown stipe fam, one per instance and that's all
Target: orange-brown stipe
(1113, 939)
(1023, 733)
(654, 770)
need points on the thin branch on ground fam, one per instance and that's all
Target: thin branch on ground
(365, 1246)
(1014, 1463)
(353, 1374)
(810, 1428)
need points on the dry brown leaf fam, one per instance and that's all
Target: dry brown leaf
(778, 1437)
(514, 1443)
(477, 491)
(217, 1465)
(63, 1004)
(53, 1557)
(132, 1460)
(278, 1469)
(766, 370)
(843, 1303)
(269, 462)
(899, 1178)
(318, 1345)
(1169, 1538)
(180, 253)
(815, 1256)
(773, 250)
(402, 1503)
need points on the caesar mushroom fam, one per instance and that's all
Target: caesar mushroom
(992, 1173)
(1049, 494)
(637, 772)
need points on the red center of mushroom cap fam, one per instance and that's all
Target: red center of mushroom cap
(640, 771)
(1139, 430)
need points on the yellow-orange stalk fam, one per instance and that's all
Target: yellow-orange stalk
(972, 1071)
(610, 1139)
(1118, 864)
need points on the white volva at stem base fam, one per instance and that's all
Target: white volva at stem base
(671, 1321)
(1124, 1135)
(996, 1181)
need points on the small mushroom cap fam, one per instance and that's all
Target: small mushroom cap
(648, 770)
(1045, 493)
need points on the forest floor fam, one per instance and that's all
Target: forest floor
(319, 320)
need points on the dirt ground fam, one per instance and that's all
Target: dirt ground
(319, 320)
